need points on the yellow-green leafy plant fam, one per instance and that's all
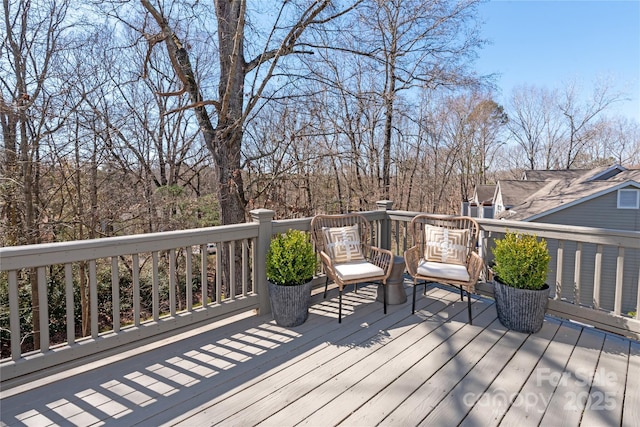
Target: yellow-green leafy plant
(521, 261)
(291, 259)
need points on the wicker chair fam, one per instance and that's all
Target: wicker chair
(444, 252)
(343, 243)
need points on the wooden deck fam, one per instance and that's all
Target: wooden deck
(431, 368)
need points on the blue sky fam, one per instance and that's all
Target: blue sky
(546, 43)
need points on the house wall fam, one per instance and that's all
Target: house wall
(601, 212)
(498, 205)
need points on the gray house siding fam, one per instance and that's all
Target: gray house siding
(601, 212)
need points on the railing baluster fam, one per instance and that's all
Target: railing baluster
(155, 288)
(14, 315)
(597, 277)
(204, 276)
(232, 270)
(576, 274)
(68, 288)
(405, 238)
(136, 290)
(189, 277)
(396, 225)
(93, 297)
(172, 282)
(638, 297)
(218, 289)
(245, 267)
(115, 294)
(619, 280)
(44, 309)
(560, 256)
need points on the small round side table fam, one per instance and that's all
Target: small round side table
(395, 284)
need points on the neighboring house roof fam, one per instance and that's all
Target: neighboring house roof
(565, 191)
(603, 172)
(513, 192)
(483, 194)
(545, 175)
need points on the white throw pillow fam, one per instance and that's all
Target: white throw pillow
(343, 243)
(445, 245)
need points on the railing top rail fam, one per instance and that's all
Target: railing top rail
(613, 237)
(282, 225)
(606, 236)
(27, 256)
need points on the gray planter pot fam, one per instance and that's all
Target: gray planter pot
(521, 310)
(290, 304)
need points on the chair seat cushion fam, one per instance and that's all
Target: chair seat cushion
(443, 270)
(355, 270)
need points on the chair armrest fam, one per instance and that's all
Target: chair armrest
(327, 263)
(382, 258)
(475, 267)
(412, 259)
(325, 258)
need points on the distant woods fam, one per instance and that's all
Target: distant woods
(122, 118)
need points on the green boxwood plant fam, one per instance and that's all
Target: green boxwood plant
(291, 259)
(521, 261)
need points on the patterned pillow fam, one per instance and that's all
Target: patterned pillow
(445, 245)
(343, 243)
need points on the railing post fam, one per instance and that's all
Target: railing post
(264, 218)
(385, 224)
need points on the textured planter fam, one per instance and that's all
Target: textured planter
(521, 310)
(290, 304)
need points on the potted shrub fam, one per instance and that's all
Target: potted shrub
(520, 289)
(291, 264)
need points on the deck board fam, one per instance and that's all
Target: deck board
(430, 368)
(460, 400)
(355, 369)
(605, 398)
(404, 353)
(426, 396)
(436, 353)
(565, 407)
(631, 406)
(530, 404)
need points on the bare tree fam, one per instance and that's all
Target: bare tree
(418, 43)
(618, 141)
(581, 117)
(530, 109)
(487, 120)
(233, 105)
(34, 105)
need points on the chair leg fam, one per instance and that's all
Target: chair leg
(469, 307)
(326, 285)
(340, 307)
(355, 288)
(386, 291)
(461, 294)
(413, 307)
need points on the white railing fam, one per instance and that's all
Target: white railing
(169, 306)
(594, 273)
(168, 260)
